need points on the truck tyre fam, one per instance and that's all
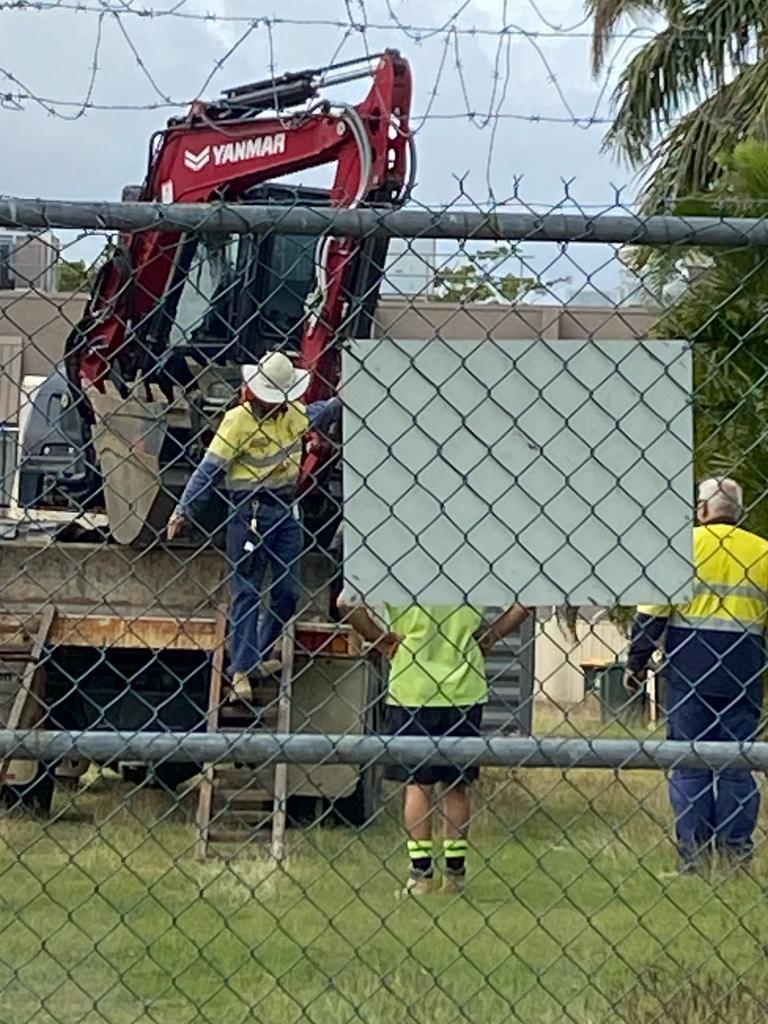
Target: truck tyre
(36, 797)
(135, 774)
(161, 776)
(172, 775)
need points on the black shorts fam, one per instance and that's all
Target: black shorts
(448, 721)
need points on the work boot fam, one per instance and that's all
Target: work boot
(735, 858)
(454, 882)
(418, 885)
(241, 688)
(267, 668)
(698, 863)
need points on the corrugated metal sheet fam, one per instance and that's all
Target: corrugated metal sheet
(10, 378)
(509, 668)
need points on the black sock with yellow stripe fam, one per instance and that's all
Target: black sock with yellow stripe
(421, 852)
(455, 851)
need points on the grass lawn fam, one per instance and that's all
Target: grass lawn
(572, 915)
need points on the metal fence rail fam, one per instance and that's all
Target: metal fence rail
(278, 748)
(618, 227)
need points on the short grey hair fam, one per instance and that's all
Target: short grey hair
(723, 496)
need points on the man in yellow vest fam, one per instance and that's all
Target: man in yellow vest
(258, 449)
(437, 687)
(714, 660)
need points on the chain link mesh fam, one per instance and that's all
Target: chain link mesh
(496, 444)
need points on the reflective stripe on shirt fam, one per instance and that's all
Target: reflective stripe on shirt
(730, 590)
(717, 625)
(701, 589)
(271, 460)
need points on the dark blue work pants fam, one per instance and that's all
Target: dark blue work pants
(278, 545)
(721, 806)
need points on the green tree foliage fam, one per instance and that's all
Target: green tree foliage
(482, 277)
(73, 276)
(697, 88)
(724, 313)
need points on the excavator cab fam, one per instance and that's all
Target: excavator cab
(238, 296)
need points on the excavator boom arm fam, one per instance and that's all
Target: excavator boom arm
(219, 152)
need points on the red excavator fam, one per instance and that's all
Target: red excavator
(173, 315)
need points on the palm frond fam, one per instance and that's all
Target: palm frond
(686, 64)
(739, 188)
(690, 158)
(606, 15)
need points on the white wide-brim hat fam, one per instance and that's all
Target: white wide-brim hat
(274, 379)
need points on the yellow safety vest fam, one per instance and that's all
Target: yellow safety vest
(730, 592)
(439, 663)
(260, 452)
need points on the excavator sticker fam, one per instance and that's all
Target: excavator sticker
(235, 152)
(197, 161)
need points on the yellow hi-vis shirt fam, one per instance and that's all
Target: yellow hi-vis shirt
(260, 452)
(730, 592)
(439, 663)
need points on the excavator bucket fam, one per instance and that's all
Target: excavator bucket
(128, 437)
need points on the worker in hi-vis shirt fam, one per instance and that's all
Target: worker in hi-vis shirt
(437, 687)
(257, 449)
(714, 659)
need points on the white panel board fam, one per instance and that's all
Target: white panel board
(521, 470)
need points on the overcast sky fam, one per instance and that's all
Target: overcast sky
(536, 76)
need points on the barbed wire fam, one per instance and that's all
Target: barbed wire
(417, 32)
(449, 71)
(17, 98)
(482, 115)
(394, 24)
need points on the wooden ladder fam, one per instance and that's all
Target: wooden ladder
(22, 687)
(240, 804)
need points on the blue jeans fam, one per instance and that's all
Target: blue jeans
(278, 546)
(711, 806)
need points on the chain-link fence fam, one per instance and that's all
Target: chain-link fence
(313, 516)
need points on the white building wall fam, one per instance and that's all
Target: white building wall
(411, 265)
(558, 671)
